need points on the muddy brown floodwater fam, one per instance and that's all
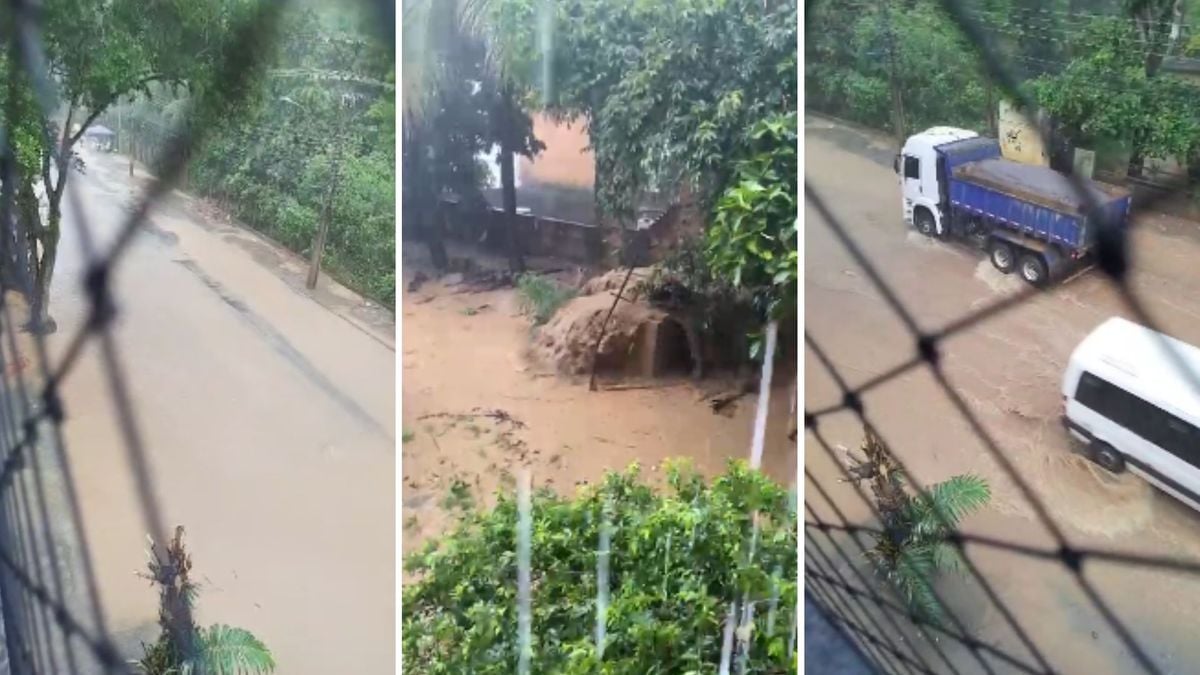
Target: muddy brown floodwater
(468, 351)
(1007, 370)
(267, 416)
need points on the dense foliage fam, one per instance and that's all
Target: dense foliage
(97, 51)
(319, 129)
(852, 53)
(669, 94)
(678, 558)
(667, 90)
(1096, 67)
(460, 102)
(1105, 94)
(753, 237)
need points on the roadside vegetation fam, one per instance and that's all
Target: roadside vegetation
(314, 140)
(1099, 68)
(675, 559)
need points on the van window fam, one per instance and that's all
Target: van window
(912, 167)
(1158, 426)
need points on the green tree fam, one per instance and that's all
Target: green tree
(677, 558)
(464, 102)
(861, 63)
(313, 143)
(668, 92)
(183, 648)
(1105, 94)
(752, 240)
(96, 52)
(913, 548)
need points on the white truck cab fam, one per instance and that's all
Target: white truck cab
(916, 165)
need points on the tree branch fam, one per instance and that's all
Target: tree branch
(99, 110)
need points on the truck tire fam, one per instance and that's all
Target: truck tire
(1003, 257)
(1034, 269)
(924, 221)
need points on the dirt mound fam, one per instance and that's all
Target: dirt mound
(567, 340)
(611, 281)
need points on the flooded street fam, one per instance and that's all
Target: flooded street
(1008, 370)
(466, 353)
(267, 416)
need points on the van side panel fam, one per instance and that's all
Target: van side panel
(1167, 471)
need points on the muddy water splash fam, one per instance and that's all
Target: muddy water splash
(1090, 499)
(997, 281)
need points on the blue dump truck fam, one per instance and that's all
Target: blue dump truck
(1029, 219)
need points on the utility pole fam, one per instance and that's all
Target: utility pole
(318, 246)
(898, 122)
(121, 139)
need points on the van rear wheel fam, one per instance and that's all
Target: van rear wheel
(1107, 457)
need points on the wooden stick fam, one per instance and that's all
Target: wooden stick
(604, 328)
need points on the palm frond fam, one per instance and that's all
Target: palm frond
(913, 578)
(226, 650)
(946, 558)
(945, 504)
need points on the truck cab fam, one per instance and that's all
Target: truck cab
(922, 189)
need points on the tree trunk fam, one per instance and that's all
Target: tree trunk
(993, 114)
(508, 183)
(435, 233)
(41, 322)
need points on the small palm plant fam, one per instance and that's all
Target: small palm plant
(216, 650)
(913, 547)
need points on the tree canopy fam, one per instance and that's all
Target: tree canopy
(318, 124)
(666, 90)
(92, 53)
(1096, 67)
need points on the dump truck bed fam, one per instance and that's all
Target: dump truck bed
(1037, 184)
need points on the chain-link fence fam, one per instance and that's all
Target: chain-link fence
(839, 544)
(53, 621)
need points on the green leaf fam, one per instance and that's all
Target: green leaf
(233, 651)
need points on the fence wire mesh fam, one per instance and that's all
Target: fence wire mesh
(887, 629)
(52, 617)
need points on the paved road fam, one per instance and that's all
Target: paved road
(1007, 369)
(268, 418)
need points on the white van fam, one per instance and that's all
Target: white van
(1131, 403)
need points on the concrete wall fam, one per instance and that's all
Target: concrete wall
(1019, 138)
(540, 236)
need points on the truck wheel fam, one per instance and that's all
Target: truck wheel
(1034, 269)
(923, 219)
(1002, 255)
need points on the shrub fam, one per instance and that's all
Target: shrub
(678, 557)
(541, 297)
